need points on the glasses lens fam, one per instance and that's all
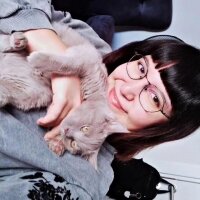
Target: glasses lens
(138, 69)
(151, 99)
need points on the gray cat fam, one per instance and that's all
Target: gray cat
(25, 84)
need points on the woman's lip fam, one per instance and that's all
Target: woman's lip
(114, 100)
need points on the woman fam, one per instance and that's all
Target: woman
(173, 107)
(149, 91)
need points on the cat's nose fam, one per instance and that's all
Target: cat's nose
(65, 132)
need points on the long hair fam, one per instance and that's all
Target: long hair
(182, 82)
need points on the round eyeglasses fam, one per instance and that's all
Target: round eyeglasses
(151, 98)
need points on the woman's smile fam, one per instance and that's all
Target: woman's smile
(113, 99)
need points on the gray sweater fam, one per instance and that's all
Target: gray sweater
(26, 163)
(21, 15)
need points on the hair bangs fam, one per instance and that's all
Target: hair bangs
(180, 72)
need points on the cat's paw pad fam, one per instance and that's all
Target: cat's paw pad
(56, 146)
(18, 41)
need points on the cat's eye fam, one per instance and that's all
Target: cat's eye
(85, 129)
(73, 144)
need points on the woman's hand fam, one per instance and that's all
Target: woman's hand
(52, 134)
(66, 97)
(66, 90)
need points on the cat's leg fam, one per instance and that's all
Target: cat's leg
(77, 60)
(14, 42)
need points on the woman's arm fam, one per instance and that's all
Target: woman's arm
(44, 40)
(33, 19)
(66, 90)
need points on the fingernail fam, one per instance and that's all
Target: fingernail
(40, 122)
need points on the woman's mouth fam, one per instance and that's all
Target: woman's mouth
(114, 100)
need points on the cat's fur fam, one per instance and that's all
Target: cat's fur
(25, 84)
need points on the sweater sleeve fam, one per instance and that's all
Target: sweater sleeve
(83, 28)
(22, 15)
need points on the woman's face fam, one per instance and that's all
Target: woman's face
(142, 102)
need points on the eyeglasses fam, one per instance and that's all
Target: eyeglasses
(151, 98)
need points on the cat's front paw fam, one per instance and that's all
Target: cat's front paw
(56, 145)
(41, 63)
(37, 59)
(18, 41)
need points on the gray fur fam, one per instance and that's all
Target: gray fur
(25, 84)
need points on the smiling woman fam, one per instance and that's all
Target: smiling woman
(134, 93)
(150, 93)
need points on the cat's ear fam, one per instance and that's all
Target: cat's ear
(116, 127)
(92, 159)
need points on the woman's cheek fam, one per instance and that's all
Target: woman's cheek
(137, 119)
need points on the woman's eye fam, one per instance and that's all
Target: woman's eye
(141, 68)
(151, 98)
(155, 100)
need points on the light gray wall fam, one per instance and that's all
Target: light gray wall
(185, 24)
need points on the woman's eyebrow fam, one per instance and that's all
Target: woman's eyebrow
(146, 61)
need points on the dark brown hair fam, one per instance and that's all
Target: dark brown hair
(182, 82)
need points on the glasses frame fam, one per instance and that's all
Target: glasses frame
(145, 87)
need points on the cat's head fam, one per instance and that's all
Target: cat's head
(86, 129)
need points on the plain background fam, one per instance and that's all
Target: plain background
(185, 25)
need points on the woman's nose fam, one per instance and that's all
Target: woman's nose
(132, 89)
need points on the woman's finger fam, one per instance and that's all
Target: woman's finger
(66, 96)
(56, 112)
(53, 112)
(52, 133)
(63, 114)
